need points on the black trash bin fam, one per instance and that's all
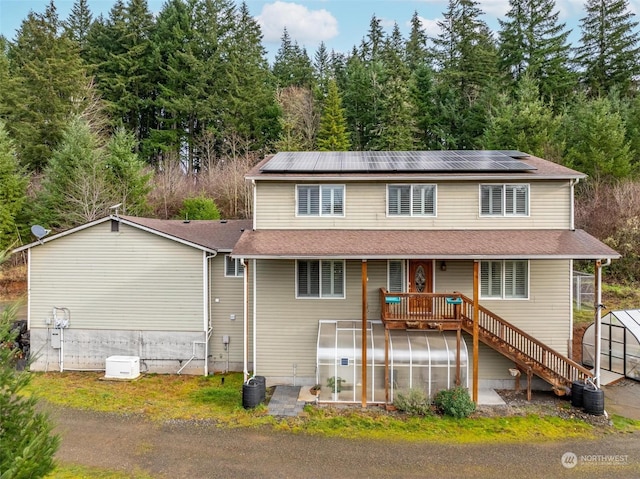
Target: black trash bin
(577, 393)
(262, 386)
(593, 399)
(250, 394)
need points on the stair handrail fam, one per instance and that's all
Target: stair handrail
(580, 370)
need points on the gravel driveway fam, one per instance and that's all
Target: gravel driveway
(200, 450)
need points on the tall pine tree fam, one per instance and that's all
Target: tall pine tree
(332, 133)
(608, 51)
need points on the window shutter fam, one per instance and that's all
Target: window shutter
(491, 279)
(423, 200)
(332, 273)
(230, 266)
(308, 200)
(308, 278)
(396, 278)
(400, 200)
(515, 279)
(491, 200)
(516, 198)
(332, 200)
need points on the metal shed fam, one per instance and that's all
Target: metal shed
(620, 344)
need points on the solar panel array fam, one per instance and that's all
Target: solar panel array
(397, 161)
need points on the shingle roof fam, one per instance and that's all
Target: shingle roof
(441, 244)
(215, 235)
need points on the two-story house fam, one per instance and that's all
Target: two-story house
(372, 272)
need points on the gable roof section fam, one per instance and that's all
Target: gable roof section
(291, 166)
(204, 235)
(440, 244)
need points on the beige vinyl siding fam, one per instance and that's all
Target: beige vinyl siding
(457, 205)
(545, 315)
(129, 280)
(287, 328)
(227, 298)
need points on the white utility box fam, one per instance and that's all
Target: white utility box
(122, 367)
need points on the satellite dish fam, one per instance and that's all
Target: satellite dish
(39, 232)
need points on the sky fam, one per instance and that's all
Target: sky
(341, 24)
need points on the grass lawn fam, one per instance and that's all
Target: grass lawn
(163, 397)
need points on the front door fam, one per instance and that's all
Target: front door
(420, 281)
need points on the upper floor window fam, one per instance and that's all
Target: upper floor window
(504, 279)
(504, 200)
(320, 200)
(233, 266)
(411, 200)
(320, 279)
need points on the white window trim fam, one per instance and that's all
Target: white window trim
(320, 187)
(344, 281)
(411, 213)
(238, 267)
(502, 296)
(504, 201)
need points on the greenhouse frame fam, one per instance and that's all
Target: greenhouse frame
(418, 359)
(620, 343)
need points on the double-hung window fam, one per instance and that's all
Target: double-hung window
(411, 200)
(504, 279)
(320, 200)
(320, 279)
(504, 200)
(233, 267)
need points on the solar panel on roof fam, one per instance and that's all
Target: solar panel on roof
(390, 161)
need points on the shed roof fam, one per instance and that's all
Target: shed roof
(438, 244)
(209, 235)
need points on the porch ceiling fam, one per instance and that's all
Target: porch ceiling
(441, 244)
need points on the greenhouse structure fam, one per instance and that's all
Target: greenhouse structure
(620, 344)
(418, 359)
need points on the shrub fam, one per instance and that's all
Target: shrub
(199, 208)
(454, 402)
(414, 402)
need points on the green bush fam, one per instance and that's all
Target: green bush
(414, 402)
(199, 208)
(454, 402)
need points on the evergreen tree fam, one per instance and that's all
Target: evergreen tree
(596, 141)
(53, 83)
(466, 55)
(292, 66)
(374, 41)
(332, 133)
(395, 130)
(533, 43)
(78, 24)
(322, 69)
(609, 49)
(417, 53)
(13, 187)
(428, 134)
(524, 124)
(27, 445)
(126, 173)
(75, 189)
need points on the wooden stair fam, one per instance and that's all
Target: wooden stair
(530, 355)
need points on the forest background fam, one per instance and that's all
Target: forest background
(165, 114)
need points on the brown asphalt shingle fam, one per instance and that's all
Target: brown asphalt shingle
(450, 244)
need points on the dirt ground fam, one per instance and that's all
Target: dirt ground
(193, 449)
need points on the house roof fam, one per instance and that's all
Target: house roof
(440, 244)
(536, 169)
(219, 235)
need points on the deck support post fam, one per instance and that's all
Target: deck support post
(476, 319)
(364, 333)
(387, 378)
(598, 323)
(458, 341)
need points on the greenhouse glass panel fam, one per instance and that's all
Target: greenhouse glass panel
(620, 351)
(417, 359)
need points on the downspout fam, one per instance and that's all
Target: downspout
(599, 306)
(245, 314)
(206, 306)
(255, 205)
(255, 351)
(572, 222)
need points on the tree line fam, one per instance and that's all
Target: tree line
(147, 110)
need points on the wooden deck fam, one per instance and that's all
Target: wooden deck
(454, 311)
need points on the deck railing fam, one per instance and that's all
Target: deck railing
(520, 346)
(440, 310)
